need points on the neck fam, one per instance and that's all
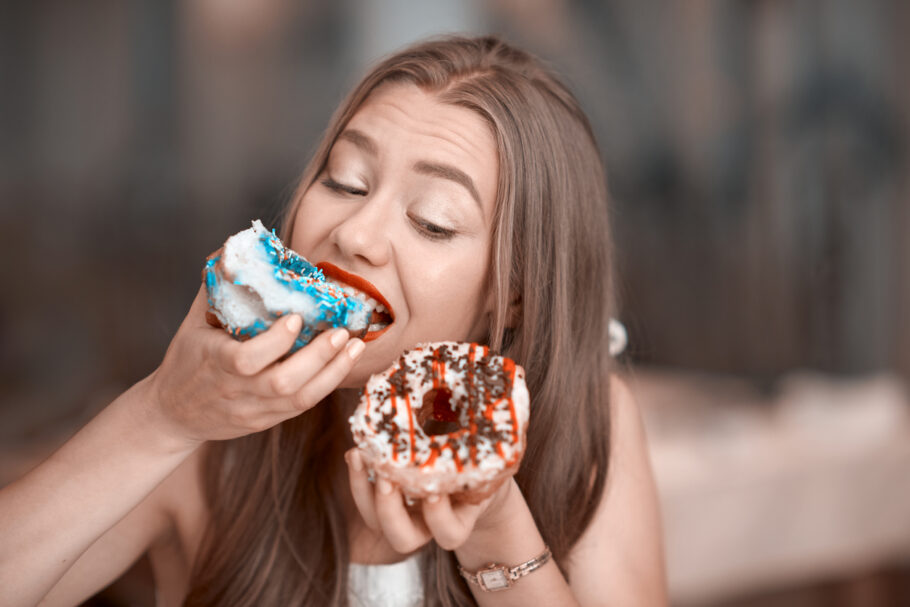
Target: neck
(343, 402)
(348, 397)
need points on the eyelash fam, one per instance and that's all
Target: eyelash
(340, 187)
(429, 230)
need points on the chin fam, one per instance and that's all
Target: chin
(381, 354)
(368, 364)
(355, 380)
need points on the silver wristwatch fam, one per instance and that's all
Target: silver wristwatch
(495, 577)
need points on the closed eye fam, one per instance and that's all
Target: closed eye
(431, 230)
(342, 188)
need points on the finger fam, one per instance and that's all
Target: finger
(288, 376)
(361, 488)
(450, 525)
(404, 533)
(329, 377)
(253, 355)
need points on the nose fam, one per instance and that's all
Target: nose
(364, 234)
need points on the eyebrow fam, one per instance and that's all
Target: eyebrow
(361, 140)
(451, 173)
(433, 169)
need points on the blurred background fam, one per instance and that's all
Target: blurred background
(758, 158)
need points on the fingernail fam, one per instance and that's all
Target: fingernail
(294, 323)
(433, 498)
(356, 462)
(338, 337)
(355, 347)
(384, 487)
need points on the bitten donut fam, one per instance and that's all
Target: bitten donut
(446, 418)
(253, 280)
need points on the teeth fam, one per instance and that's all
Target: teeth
(346, 289)
(350, 291)
(378, 326)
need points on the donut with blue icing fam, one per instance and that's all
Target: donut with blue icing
(253, 280)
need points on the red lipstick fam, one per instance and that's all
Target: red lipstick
(364, 286)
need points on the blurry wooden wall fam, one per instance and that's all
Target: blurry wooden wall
(135, 137)
(757, 152)
(758, 157)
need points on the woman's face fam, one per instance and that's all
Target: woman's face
(406, 202)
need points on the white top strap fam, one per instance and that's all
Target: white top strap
(395, 585)
(618, 337)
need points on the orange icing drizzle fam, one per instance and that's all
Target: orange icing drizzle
(438, 368)
(394, 412)
(407, 400)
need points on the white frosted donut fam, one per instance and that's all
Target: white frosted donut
(447, 417)
(254, 279)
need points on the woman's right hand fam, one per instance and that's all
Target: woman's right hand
(88, 510)
(212, 387)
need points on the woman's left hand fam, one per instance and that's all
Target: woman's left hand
(382, 506)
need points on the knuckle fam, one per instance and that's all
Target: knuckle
(456, 540)
(404, 545)
(232, 394)
(260, 425)
(227, 390)
(416, 543)
(281, 384)
(224, 354)
(244, 363)
(238, 419)
(303, 400)
(228, 356)
(327, 350)
(337, 368)
(343, 363)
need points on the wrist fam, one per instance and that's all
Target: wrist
(506, 500)
(148, 425)
(498, 576)
(505, 534)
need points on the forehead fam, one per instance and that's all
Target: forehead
(409, 125)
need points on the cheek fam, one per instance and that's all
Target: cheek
(450, 292)
(310, 228)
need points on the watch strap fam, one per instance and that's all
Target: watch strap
(495, 576)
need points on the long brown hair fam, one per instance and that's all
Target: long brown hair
(277, 534)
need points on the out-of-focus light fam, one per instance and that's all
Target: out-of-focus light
(239, 21)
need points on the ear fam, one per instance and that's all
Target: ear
(513, 316)
(484, 322)
(513, 313)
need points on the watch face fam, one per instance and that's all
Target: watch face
(494, 579)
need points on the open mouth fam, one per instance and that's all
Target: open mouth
(382, 317)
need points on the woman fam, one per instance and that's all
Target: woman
(462, 179)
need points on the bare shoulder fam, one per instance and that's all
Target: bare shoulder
(619, 559)
(182, 492)
(181, 497)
